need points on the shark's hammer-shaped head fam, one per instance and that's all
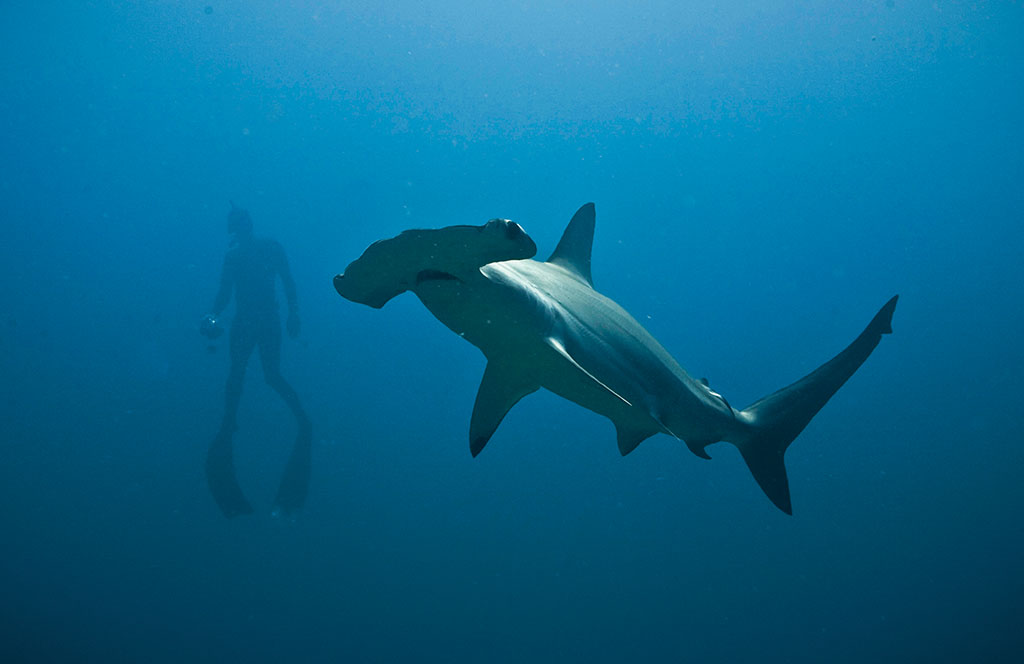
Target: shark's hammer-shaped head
(393, 266)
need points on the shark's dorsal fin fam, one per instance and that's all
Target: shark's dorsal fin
(559, 347)
(502, 386)
(573, 250)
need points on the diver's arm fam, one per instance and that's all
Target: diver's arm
(208, 326)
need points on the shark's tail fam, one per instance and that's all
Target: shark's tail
(774, 421)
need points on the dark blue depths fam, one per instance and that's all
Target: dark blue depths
(766, 175)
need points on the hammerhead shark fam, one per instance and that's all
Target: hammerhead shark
(542, 324)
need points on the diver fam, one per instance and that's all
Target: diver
(251, 267)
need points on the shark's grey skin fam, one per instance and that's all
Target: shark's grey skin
(542, 324)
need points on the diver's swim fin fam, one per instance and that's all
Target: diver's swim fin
(220, 476)
(291, 494)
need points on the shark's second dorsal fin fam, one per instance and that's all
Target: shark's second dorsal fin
(573, 250)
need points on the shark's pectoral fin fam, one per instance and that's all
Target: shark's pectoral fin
(559, 347)
(503, 385)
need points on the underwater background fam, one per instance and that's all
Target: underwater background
(766, 175)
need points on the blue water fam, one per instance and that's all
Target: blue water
(766, 175)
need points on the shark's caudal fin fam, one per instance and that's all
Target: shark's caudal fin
(780, 417)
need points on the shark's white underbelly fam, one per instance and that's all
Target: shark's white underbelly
(518, 307)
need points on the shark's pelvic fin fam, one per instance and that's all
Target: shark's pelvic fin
(503, 385)
(777, 419)
(573, 250)
(630, 437)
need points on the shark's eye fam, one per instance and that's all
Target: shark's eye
(513, 231)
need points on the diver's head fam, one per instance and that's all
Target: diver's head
(239, 221)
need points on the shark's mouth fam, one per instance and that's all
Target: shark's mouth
(434, 275)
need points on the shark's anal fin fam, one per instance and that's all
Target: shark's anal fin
(559, 347)
(697, 447)
(503, 385)
(573, 250)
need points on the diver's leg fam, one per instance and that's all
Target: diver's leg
(220, 466)
(242, 343)
(270, 357)
(291, 493)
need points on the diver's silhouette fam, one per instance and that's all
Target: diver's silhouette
(251, 266)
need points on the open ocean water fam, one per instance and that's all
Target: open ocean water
(766, 175)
